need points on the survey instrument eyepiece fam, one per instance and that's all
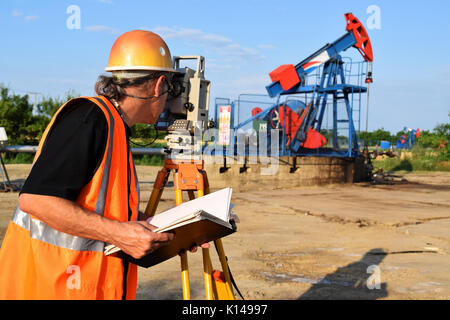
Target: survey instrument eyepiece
(189, 95)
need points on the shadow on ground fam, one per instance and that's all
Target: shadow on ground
(352, 281)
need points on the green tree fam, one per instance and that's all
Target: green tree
(443, 131)
(381, 135)
(48, 106)
(433, 139)
(376, 136)
(16, 115)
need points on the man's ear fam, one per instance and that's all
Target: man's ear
(159, 86)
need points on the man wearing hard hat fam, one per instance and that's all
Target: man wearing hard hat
(82, 192)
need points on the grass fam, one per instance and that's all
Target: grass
(18, 158)
(417, 159)
(149, 160)
(411, 165)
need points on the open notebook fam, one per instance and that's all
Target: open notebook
(201, 220)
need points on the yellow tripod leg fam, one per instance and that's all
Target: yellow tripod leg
(157, 192)
(184, 258)
(153, 202)
(207, 270)
(185, 277)
(224, 264)
(222, 258)
(207, 265)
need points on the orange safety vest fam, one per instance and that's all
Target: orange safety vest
(39, 262)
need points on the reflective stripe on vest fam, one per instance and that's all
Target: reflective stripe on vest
(109, 163)
(43, 232)
(100, 205)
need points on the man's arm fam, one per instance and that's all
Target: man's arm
(134, 237)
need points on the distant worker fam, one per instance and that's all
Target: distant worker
(82, 192)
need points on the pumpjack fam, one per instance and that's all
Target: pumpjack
(301, 121)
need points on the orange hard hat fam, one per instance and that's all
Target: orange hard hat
(140, 50)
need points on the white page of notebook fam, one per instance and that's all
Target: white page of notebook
(216, 203)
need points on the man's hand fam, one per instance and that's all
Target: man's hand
(143, 217)
(137, 239)
(194, 249)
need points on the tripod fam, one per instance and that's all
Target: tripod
(189, 176)
(6, 184)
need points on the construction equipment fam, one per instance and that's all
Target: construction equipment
(6, 184)
(408, 139)
(185, 117)
(317, 84)
(289, 79)
(381, 177)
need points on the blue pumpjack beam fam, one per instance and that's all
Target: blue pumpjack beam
(328, 52)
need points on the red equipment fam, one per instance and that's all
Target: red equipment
(361, 36)
(314, 139)
(256, 111)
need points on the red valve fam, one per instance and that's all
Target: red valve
(361, 36)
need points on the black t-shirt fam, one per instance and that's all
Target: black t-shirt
(72, 153)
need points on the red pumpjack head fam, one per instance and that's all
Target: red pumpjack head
(363, 43)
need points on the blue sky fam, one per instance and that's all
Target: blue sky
(242, 42)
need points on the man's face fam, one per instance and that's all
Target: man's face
(154, 107)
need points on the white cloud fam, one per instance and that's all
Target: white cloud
(218, 67)
(219, 43)
(17, 13)
(31, 18)
(266, 46)
(191, 35)
(254, 84)
(101, 28)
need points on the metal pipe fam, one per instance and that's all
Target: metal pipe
(33, 149)
(19, 149)
(149, 151)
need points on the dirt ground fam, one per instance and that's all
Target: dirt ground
(317, 242)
